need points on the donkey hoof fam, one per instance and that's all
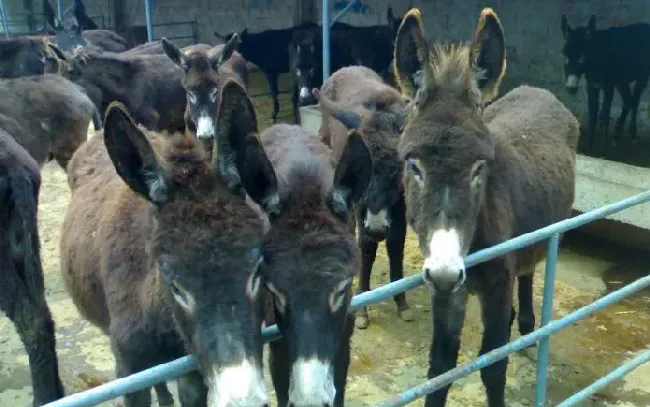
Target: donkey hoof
(406, 315)
(361, 321)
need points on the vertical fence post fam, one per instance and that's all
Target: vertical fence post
(147, 16)
(326, 39)
(547, 315)
(5, 21)
(59, 10)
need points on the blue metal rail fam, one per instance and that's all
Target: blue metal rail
(179, 367)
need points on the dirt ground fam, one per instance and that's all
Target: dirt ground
(391, 355)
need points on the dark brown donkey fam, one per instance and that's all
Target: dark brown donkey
(355, 97)
(205, 73)
(310, 261)
(148, 85)
(475, 180)
(161, 256)
(47, 114)
(22, 295)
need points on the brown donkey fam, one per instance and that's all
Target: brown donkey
(309, 261)
(475, 180)
(22, 295)
(205, 73)
(355, 97)
(160, 255)
(47, 115)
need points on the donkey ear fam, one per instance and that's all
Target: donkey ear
(411, 54)
(565, 27)
(49, 16)
(591, 25)
(175, 54)
(226, 52)
(352, 175)
(487, 56)
(235, 121)
(258, 176)
(132, 155)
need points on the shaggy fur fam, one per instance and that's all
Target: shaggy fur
(133, 244)
(485, 177)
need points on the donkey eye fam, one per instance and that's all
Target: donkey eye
(191, 96)
(337, 298)
(414, 169)
(213, 94)
(477, 173)
(182, 297)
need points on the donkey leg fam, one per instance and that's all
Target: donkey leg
(342, 363)
(604, 118)
(192, 391)
(165, 397)
(35, 327)
(593, 94)
(395, 249)
(280, 367)
(125, 367)
(294, 104)
(626, 97)
(368, 246)
(639, 87)
(272, 79)
(526, 320)
(495, 295)
(448, 319)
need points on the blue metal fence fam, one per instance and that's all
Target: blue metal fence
(179, 367)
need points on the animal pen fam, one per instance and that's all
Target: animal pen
(179, 367)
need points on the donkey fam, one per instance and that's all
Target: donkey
(161, 256)
(268, 51)
(310, 260)
(22, 295)
(81, 31)
(380, 214)
(204, 75)
(149, 85)
(47, 115)
(475, 179)
(609, 58)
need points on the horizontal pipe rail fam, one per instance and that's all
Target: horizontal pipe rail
(495, 355)
(341, 13)
(179, 367)
(599, 384)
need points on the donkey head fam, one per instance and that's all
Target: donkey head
(576, 46)
(446, 146)
(310, 260)
(68, 33)
(205, 243)
(304, 62)
(202, 84)
(380, 121)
